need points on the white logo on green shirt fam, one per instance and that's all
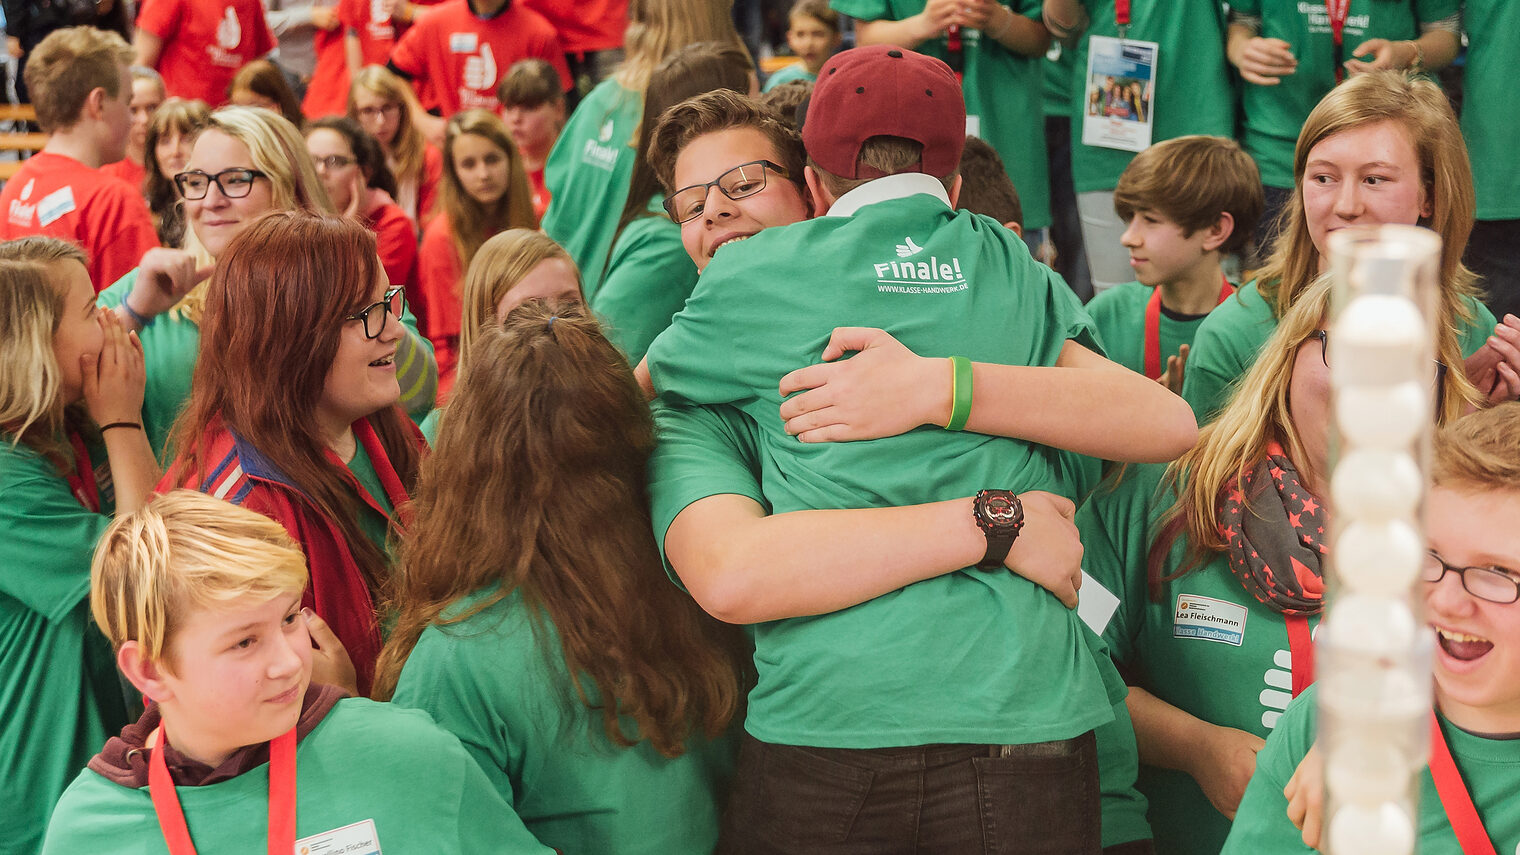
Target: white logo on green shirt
(1279, 690)
(908, 248)
(918, 277)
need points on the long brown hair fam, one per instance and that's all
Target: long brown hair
(409, 146)
(538, 483)
(174, 116)
(274, 313)
(471, 221)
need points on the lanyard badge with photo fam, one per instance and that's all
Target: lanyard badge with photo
(1120, 86)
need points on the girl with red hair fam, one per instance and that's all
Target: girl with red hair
(294, 413)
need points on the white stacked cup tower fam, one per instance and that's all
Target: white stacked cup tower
(1373, 649)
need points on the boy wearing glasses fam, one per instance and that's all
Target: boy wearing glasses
(886, 695)
(1471, 587)
(81, 86)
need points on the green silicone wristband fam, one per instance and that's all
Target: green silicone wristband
(960, 392)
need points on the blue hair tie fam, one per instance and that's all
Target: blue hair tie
(552, 319)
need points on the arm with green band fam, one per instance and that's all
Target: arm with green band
(885, 389)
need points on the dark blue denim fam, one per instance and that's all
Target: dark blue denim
(1039, 799)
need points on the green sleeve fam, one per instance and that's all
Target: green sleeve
(1123, 807)
(416, 369)
(701, 452)
(1473, 335)
(444, 680)
(648, 280)
(863, 10)
(1261, 825)
(1114, 524)
(49, 538)
(1431, 11)
(1246, 7)
(429, 426)
(111, 297)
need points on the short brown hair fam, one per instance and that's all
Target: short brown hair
(1480, 451)
(529, 83)
(889, 155)
(818, 10)
(786, 98)
(985, 185)
(67, 66)
(1191, 180)
(715, 111)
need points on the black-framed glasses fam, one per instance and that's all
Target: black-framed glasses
(743, 180)
(392, 303)
(387, 109)
(1495, 584)
(333, 161)
(1324, 355)
(234, 183)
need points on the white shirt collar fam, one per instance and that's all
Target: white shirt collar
(899, 186)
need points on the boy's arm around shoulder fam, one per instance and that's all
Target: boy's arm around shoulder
(1262, 825)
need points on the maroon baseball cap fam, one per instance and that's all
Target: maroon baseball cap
(885, 91)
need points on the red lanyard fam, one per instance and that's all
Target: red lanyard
(1338, 10)
(1301, 649)
(1153, 327)
(282, 797)
(82, 481)
(364, 433)
(1121, 17)
(956, 51)
(1455, 799)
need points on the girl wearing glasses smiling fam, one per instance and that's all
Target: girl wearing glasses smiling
(294, 412)
(243, 165)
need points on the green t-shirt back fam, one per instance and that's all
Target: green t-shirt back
(364, 761)
(1193, 92)
(1228, 340)
(1003, 97)
(58, 682)
(587, 175)
(1119, 315)
(1489, 767)
(1273, 115)
(942, 282)
(795, 71)
(1237, 673)
(647, 282)
(498, 681)
(1489, 120)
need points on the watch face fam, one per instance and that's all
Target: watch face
(999, 510)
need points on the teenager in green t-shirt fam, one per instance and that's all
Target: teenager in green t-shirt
(806, 696)
(1360, 161)
(1470, 588)
(1186, 203)
(536, 623)
(813, 35)
(588, 170)
(1000, 50)
(72, 451)
(1211, 581)
(1192, 95)
(1290, 54)
(1493, 252)
(243, 745)
(648, 274)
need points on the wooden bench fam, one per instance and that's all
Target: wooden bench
(18, 141)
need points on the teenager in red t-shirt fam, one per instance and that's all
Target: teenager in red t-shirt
(197, 45)
(81, 86)
(533, 108)
(457, 52)
(365, 36)
(352, 168)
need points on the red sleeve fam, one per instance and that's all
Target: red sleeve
(159, 17)
(411, 50)
(427, 188)
(118, 231)
(398, 246)
(263, 40)
(438, 272)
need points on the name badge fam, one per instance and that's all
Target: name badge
(462, 42)
(55, 205)
(1119, 102)
(357, 839)
(1209, 619)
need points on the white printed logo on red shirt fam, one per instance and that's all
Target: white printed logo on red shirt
(480, 71)
(229, 33)
(54, 205)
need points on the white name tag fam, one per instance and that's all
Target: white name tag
(1095, 604)
(55, 205)
(1119, 93)
(1209, 619)
(357, 839)
(462, 42)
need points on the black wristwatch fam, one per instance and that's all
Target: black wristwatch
(1000, 515)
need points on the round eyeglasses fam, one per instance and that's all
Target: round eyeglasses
(234, 183)
(743, 180)
(373, 316)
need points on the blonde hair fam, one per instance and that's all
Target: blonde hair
(180, 552)
(409, 147)
(31, 307)
(67, 66)
(659, 28)
(500, 263)
(1480, 451)
(276, 149)
(471, 221)
(1421, 110)
(1258, 413)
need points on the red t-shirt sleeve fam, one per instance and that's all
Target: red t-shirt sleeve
(427, 188)
(263, 39)
(438, 271)
(119, 230)
(410, 51)
(159, 17)
(398, 246)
